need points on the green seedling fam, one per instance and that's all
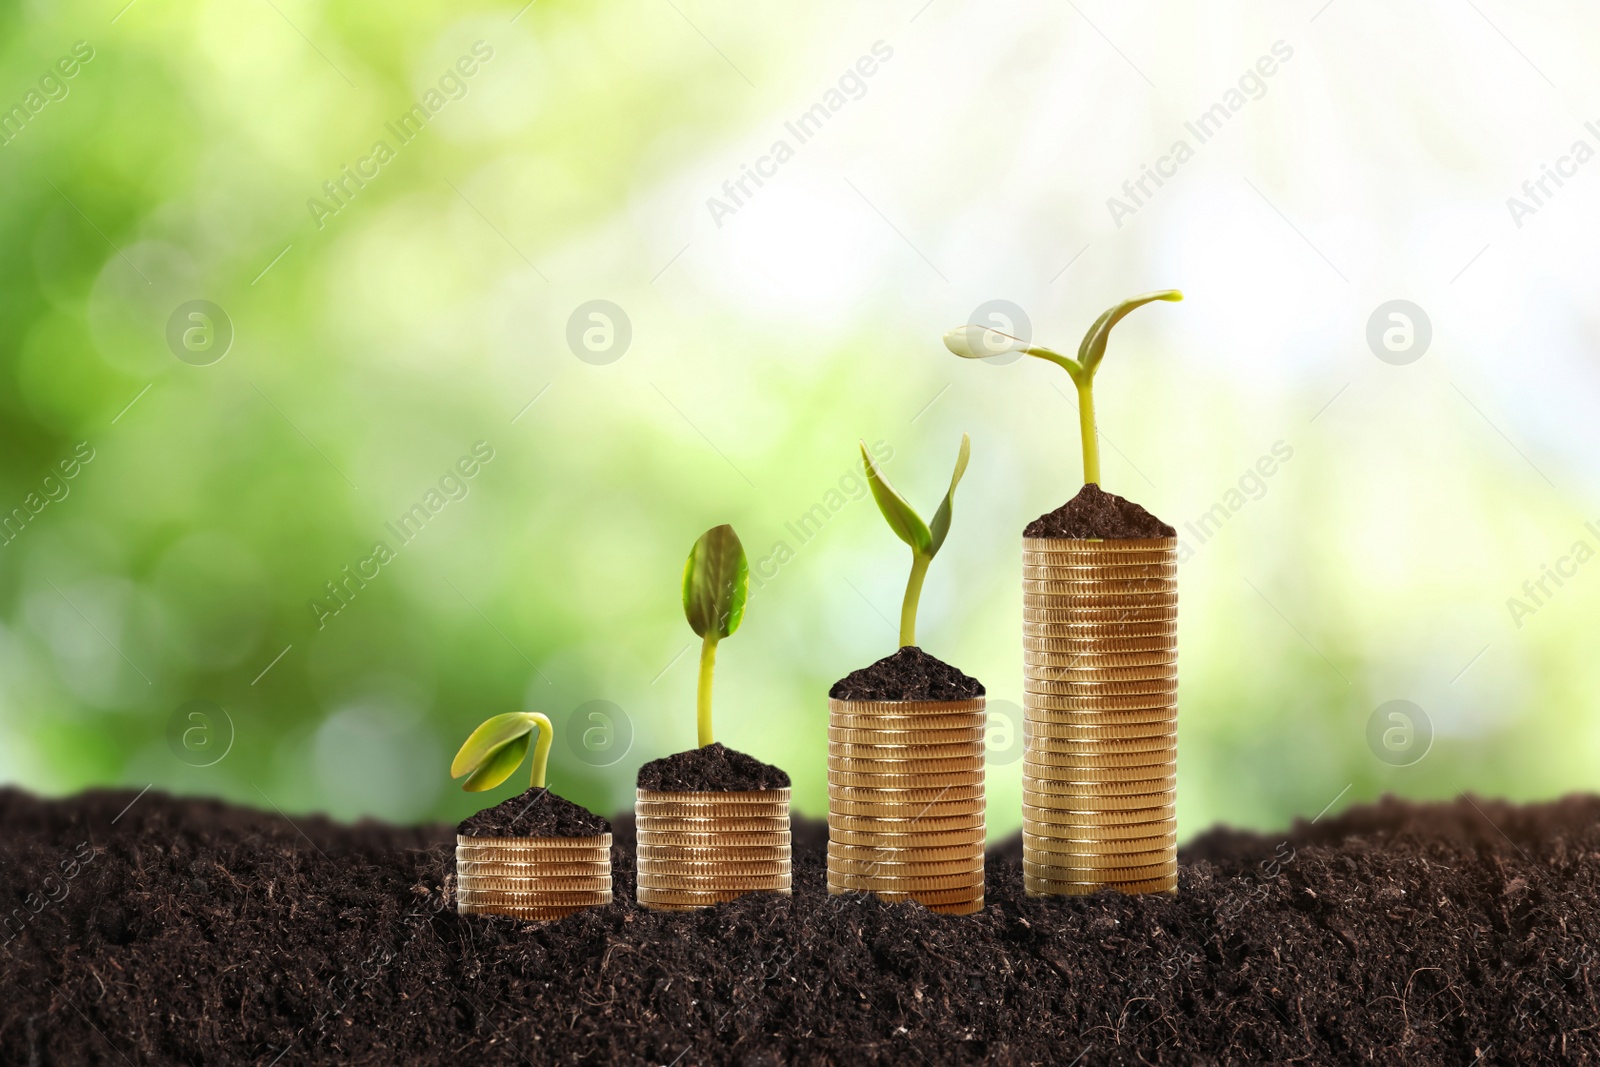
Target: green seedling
(716, 582)
(924, 538)
(980, 342)
(494, 750)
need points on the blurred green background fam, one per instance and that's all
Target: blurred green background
(358, 344)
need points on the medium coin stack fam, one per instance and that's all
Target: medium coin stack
(699, 849)
(1099, 778)
(905, 801)
(532, 877)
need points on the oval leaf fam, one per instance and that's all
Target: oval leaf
(482, 743)
(980, 342)
(902, 517)
(940, 526)
(499, 765)
(716, 580)
(1093, 348)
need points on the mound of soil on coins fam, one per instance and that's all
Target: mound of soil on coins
(536, 813)
(180, 931)
(909, 674)
(1095, 513)
(712, 769)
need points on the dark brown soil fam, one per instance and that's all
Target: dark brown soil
(536, 813)
(1095, 513)
(713, 769)
(1446, 934)
(909, 674)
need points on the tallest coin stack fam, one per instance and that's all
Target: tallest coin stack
(1100, 715)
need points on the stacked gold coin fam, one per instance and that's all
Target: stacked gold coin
(532, 877)
(1099, 778)
(699, 849)
(905, 801)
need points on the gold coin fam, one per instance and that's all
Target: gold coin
(901, 730)
(958, 838)
(671, 839)
(672, 808)
(1148, 722)
(513, 898)
(900, 786)
(1043, 887)
(966, 733)
(954, 765)
(1116, 546)
(491, 884)
(1096, 803)
(1053, 738)
(676, 900)
(1100, 790)
(1114, 736)
(1098, 853)
(873, 794)
(493, 853)
(912, 811)
(722, 824)
(1048, 865)
(1053, 565)
(1103, 619)
(593, 865)
(901, 752)
(1038, 636)
(1161, 810)
(527, 914)
(602, 841)
(845, 866)
(1100, 656)
(1063, 767)
(1039, 681)
(663, 867)
(1076, 667)
(931, 822)
(684, 883)
(1064, 839)
(933, 899)
(912, 708)
(1050, 580)
(717, 799)
(1101, 711)
(910, 884)
(964, 855)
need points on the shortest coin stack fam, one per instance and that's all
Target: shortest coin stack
(532, 877)
(697, 849)
(905, 801)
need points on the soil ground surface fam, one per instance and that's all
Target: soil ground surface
(908, 674)
(712, 769)
(536, 813)
(1095, 513)
(164, 931)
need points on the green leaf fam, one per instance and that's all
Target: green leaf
(941, 518)
(481, 745)
(499, 765)
(980, 342)
(716, 580)
(1093, 348)
(902, 517)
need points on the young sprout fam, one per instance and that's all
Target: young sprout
(980, 342)
(924, 538)
(495, 750)
(716, 580)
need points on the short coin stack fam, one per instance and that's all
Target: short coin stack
(905, 801)
(697, 849)
(1101, 664)
(532, 877)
